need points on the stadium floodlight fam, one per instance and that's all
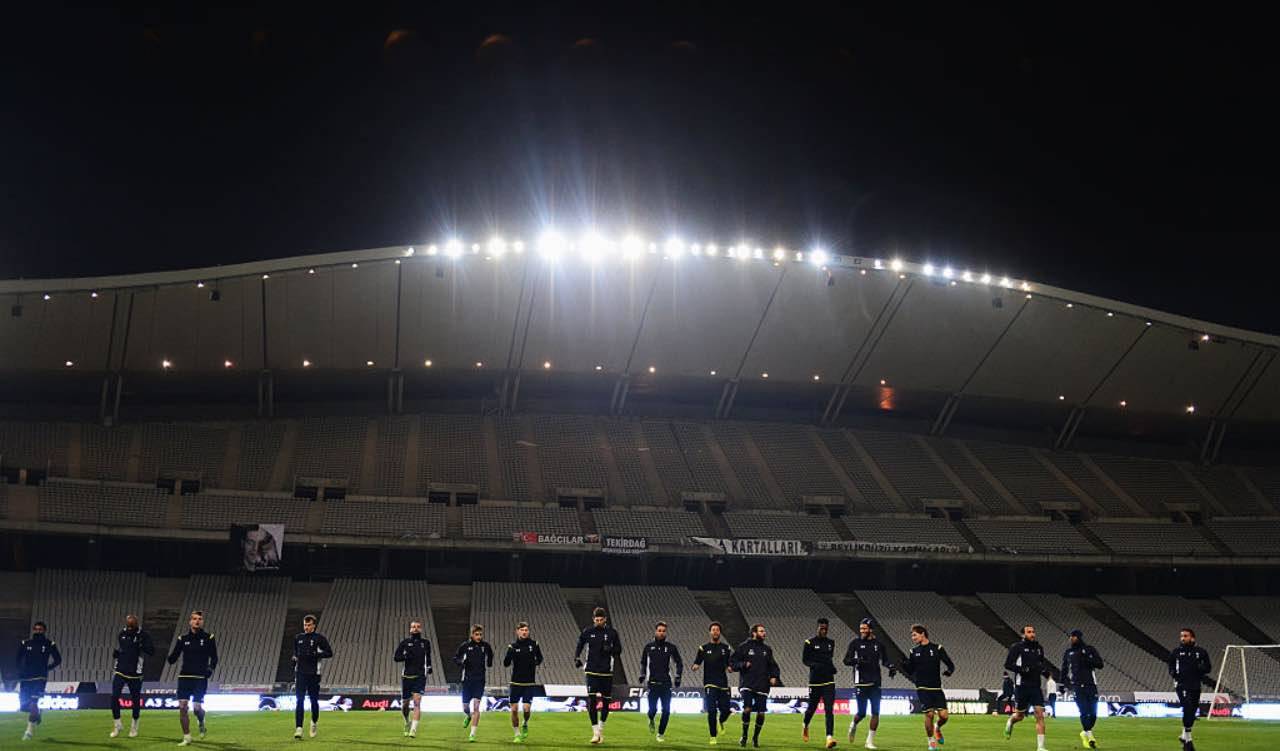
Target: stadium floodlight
(355, 265)
(1191, 409)
(1110, 314)
(713, 372)
(409, 252)
(1004, 282)
(986, 278)
(368, 363)
(228, 364)
(967, 276)
(427, 363)
(306, 363)
(199, 285)
(518, 246)
(551, 244)
(695, 249)
(779, 254)
(475, 248)
(758, 254)
(879, 264)
(818, 257)
(166, 364)
(652, 370)
(479, 364)
(1062, 397)
(593, 246)
(817, 377)
(712, 249)
(1124, 403)
(1070, 305)
(94, 295)
(453, 248)
(311, 271)
(68, 363)
(599, 368)
(546, 365)
(497, 246)
(397, 261)
(947, 273)
(883, 382)
(764, 375)
(1026, 287)
(432, 250)
(673, 247)
(928, 269)
(266, 276)
(632, 247)
(862, 272)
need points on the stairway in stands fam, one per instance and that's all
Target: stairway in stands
(1119, 624)
(161, 618)
(719, 605)
(451, 609)
(852, 610)
(1227, 616)
(977, 611)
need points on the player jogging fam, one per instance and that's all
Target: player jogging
(415, 653)
(715, 657)
(1079, 664)
(523, 657)
(603, 645)
(133, 646)
(1188, 665)
(655, 664)
(866, 655)
(924, 667)
(199, 653)
(758, 672)
(474, 656)
(309, 648)
(36, 657)
(819, 656)
(1027, 664)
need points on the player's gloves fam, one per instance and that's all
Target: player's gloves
(577, 663)
(947, 673)
(642, 677)
(430, 670)
(677, 681)
(893, 672)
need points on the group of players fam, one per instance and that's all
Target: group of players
(661, 670)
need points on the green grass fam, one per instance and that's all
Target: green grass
(272, 730)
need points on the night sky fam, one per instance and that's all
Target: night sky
(1127, 152)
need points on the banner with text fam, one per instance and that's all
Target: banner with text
(624, 545)
(755, 547)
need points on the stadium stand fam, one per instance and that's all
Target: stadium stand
(794, 462)
(84, 610)
(1267, 481)
(732, 438)
(511, 456)
(34, 445)
(222, 509)
(1021, 474)
(1248, 536)
(452, 448)
(1260, 611)
(328, 447)
(499, 522)
(260, 445)
(499, 606)
(912, 472)
(1118, 655)
(1074, 468)
(978, 657)
(780, 526)
(364, 620)
(370, 517)
(670, 460)
(873, 496)
(1161, 617)
(4, 498)
(104, 453)
(1152, 537)
(949, 451)
(246, 615)
(634, 610)
(1224, 484)
(107, 503)
(624, 443)
(388, 468)
(704, 474)
(905, 529)
(569, 454)
(183, 447)
(1151, 482)
(664, 526)
(790, 616)
(1030, 536)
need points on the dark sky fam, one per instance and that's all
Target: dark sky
(1125, 152)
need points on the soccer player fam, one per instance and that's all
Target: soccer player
(523, 657)
(655, 663)
(715, 655)
(603, 645)
(866, 655)
(924, 667)
(1027, 664)
(309, 648)
(415, 653)
(757, 672)
(1078, 665)
(1188, 666)
(199, 653)
(819, 656)
(36, 657)
(133, 645)
(474, 655)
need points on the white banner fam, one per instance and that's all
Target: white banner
(754, 547)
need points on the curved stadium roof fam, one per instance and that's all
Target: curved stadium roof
(655, 315)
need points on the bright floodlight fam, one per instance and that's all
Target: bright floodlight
(1004, 282)
(695, 249)
(518, 247)
(928, 269)
(550, 245)
(409, 252)
(758, 254)
(427, 363)
(712, 249)
(818, 257)
(68, 363)
(227, 364)
(166, 364)
(968, 277)
(948, 273)
(779, 254)
(593, 246)
(368, 363)
(546, 365)
(432, 250)
(453, 248)
(986, 278)
(632, 247)
(896, 264)
(497, 246)
(306, 363)
(1191, 409)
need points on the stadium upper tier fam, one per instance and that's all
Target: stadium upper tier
(654, 314)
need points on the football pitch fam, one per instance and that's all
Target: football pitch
(87, 729)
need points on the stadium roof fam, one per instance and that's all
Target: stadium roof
(655, 313)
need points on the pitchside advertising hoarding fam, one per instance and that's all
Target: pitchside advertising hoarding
(563, 698)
